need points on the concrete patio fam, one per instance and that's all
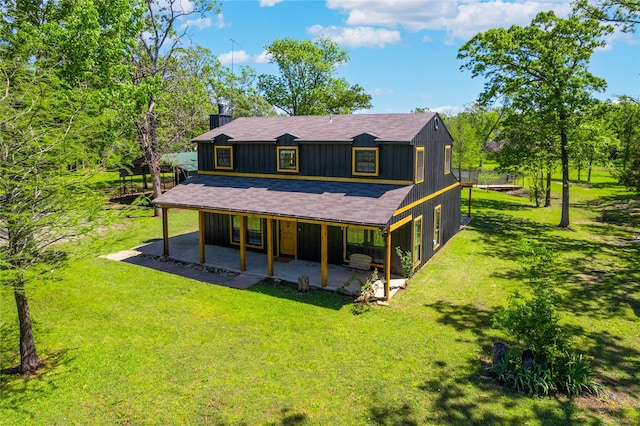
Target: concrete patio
(222, 266)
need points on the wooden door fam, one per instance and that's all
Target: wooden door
(287, 238)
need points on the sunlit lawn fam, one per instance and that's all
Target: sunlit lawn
(130, 345)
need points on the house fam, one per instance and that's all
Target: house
(323, 188)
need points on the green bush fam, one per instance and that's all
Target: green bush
(406, 260)
(533, 321)
(572, 375)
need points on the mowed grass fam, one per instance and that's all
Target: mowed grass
(128, 345)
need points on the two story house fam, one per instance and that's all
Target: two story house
(323, 188)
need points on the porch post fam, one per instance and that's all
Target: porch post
(201, 235)
(269, 247)
(324, 253)
(387, 266)
(243, 243)
(165, 230)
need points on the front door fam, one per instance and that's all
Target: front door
(287, 238)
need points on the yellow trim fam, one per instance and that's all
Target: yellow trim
(320, 178)
(261, 246)
(288, 148)
(447, 148)
(413, 241)
(268, 216)
(324, 253)
(417, 178)
(423, 199)
(437, 208)
(215, 157)
(400, 223)
(353, 162)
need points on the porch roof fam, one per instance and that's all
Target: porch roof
(326, 201)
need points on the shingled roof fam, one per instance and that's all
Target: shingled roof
(338, 128)
(338, 202)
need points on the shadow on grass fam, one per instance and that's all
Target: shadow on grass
(455, 398)
(287, 290)
(17, 390)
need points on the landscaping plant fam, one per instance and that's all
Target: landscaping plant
(533, 322)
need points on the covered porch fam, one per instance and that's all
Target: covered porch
(185, 249)
(278, 202)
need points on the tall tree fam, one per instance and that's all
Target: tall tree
(45, 75)
(164, 29)
(528, 144)
(307, 84)
(541, 67)
(622, 13)
(624, 117)
(470, 130)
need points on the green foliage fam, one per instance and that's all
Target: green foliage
(571, 375)
(541, 69)
(367, 293)
(306, 84)
(533, 321)
(406, 260)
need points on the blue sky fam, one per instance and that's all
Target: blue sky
(402, 52)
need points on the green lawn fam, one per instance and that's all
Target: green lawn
(135, 346)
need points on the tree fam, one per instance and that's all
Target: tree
(541, 67)
(46, 73)
(306, 84)
(470, 130)
(236, 92)
(624, 117)
(529, 144)
(593, 141)
(622, 13)
(152, 64)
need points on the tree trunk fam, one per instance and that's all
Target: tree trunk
(547, 194)
(564, 157)
(590, 167)
(147, 128)
(29, 360)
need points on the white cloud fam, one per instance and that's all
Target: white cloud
(448, 109)
(357, 36)
(234, 57)
(382, 92)
(199, 23)
(241, 57)
(262, 58)
(269, 3)
(459, 19)
(220, 22)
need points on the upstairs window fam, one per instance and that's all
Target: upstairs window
(223, 157)
(364, 162)
(447, 159)
(288, 159)
(419, 164)
(437, 226)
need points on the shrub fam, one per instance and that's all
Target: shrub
(533, 320)
(571, 375)
(406, 260)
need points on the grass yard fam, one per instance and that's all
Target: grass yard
(127, 345)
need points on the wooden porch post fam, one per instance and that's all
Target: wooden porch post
(201, 235)
(324, 253)
(269, 247)
(387, 266)
(243, 243)
(165, 230)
